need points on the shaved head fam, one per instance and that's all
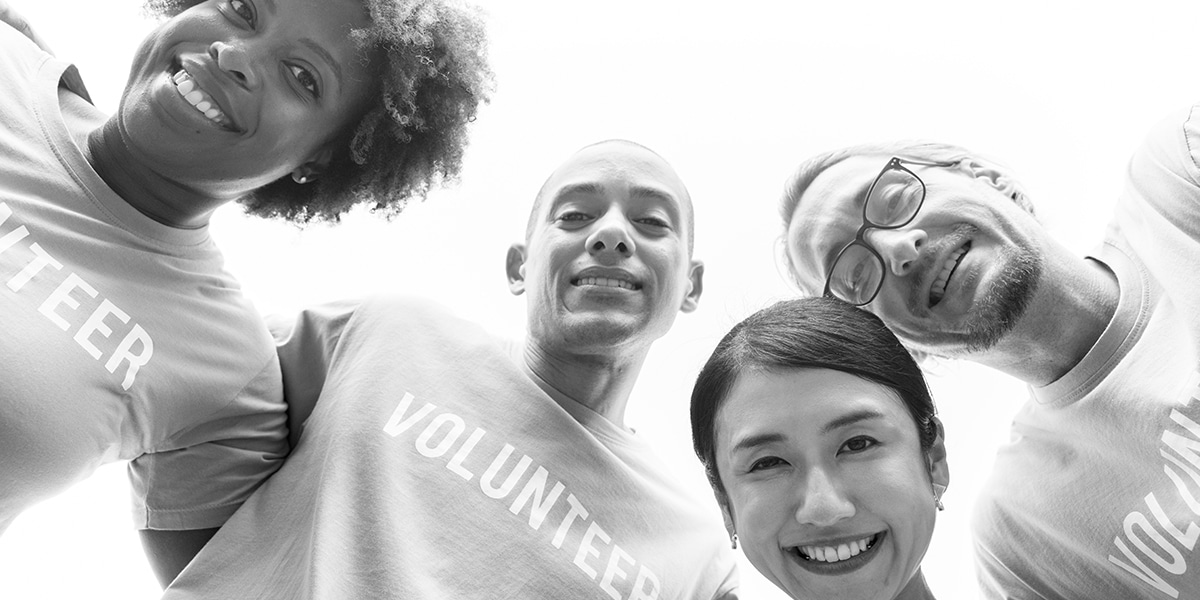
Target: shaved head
(685, 200)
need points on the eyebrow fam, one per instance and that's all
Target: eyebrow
(653, 194)
(757, 440)
(588, 188)
(859, 192)
(855, 417)
(326, 56)
(845, 420)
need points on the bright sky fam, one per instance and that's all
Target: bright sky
(734, 98)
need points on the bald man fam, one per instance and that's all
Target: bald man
(439, 462)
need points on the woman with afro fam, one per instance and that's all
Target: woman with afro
(125, 338)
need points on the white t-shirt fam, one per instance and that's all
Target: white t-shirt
(1096, 496)
(433, 467)
(120, 337)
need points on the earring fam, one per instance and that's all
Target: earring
(733, 541)
(938, 490)
(301, 179)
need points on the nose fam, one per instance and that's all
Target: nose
(900, 248)
(822, 502)
(611, 236)
(234, 60)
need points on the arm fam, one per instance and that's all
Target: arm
(305, 344)
(170, 551)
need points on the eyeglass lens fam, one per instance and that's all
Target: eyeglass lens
(893, 201)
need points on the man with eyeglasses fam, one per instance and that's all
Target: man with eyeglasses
(1097, 494)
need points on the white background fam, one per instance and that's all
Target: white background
(734, 96)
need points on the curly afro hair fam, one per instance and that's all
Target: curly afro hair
(433, 78)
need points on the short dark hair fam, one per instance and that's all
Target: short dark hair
(820, 332)
(434, 75)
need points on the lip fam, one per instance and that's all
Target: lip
(840, 567)
(935, 268)
(213, 87)
(608, 273)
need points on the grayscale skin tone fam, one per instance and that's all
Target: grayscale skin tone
(288, 82)
(1067, 306)
(605, 268)
(827, 485)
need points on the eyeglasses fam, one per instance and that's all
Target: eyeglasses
(892, 202)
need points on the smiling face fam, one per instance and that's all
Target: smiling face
(826, 482)
(957, 278)
(607, 260)
(233, 94)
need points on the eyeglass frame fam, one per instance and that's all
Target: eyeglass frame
(894, 164)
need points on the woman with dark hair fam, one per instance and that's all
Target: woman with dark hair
(124, 337)
(818, 435)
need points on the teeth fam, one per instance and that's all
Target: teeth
(198, 98)
(939, 284)
(606, 282)
(832, 554)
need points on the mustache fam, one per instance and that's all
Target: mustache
(916, 296)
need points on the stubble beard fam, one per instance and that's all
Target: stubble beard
(1005, 301)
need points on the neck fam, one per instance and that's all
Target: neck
(151, 194)
(601, 382)
(916, 589)
(1069, 311)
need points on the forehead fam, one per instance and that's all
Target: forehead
(801, 405)
(619, 169)
(828, 214)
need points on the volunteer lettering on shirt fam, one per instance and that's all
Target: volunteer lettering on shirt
(75, 306)
(615, 571)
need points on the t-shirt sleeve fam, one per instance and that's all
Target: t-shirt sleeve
(201, 485)
(305, 343)
(1165, 169)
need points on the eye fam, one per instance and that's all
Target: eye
(574, 216)
(654, 222)
(243, 10)
(857, 444)
(766, 462)
(306, 79)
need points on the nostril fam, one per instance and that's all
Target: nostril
(598, 245)
(621, 247)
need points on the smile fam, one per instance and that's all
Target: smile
(837, 560)
(608, 282)
(938, 290)
(842, 552)
(199, 99)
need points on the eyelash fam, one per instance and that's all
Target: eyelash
(870, 443)
(765, 463)
(302, 76)
(575, 216)
(314, 90)
(654, 222)
(249, 19)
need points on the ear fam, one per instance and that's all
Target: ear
(315, 165)
(935, 456)
(695, 287)
(514, 267)
(726, 515)
(992, 175)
